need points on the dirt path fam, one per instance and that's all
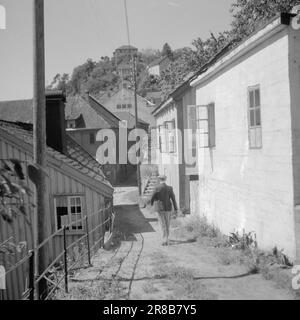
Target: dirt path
(136, 266)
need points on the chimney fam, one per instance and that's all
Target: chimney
(55, 120)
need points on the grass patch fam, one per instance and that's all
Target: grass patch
(198, 228)
(149, 288)
(105, 290)
(183, 284)
(242, 249)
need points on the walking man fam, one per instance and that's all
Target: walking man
(163, 198)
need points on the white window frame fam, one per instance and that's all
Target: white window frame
(192, 126)
(162, 138)
(170, 136)
(256, 128)
(206, 119)
(69, 199)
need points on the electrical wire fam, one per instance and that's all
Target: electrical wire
(95, 19)
(127, 21)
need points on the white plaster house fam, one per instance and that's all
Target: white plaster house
(248, 104)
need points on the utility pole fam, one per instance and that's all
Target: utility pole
(39, 137)
(138, 172)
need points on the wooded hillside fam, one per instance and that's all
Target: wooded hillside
(101, 76)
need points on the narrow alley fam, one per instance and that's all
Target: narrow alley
(135, 265)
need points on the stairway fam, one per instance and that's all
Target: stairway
(150, 186)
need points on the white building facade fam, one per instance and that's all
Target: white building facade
(249, 178)
(246, 105)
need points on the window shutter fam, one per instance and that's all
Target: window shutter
(162, 138)
(171, 136)
(212, 126)
(203, 126)
(192, 124)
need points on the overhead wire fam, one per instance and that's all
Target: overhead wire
(95, 19)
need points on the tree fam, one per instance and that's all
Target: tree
(250, 14)
(81, 75)
(61, 82)
(149, 54)
(13, 192)
(167, 51)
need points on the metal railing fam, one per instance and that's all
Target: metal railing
(34, 280)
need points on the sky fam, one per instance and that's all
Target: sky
(76, 30)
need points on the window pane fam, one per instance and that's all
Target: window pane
(252, 118)
(257, 97)
(123, 106)
(258, 138)
(251, 99)
(203, 126)
(202, 113)
(257, 117)
(203, 140)
(252, 138)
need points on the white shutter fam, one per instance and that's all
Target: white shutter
(211, 125)
(192, 124)
(203, 126)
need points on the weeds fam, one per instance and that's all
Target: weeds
(149, 288)
(244, 241)
(243, 249)
(183, 284)
(106, 290)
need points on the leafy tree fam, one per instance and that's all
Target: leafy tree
(81, 75)
(167, 51)
(13, 192)
(247, 16)
(61, 82)
(149, 55)
(250, 14)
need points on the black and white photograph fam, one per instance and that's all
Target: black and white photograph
(149, 153)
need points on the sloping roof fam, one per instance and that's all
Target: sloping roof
(76, 106)
(130, 118)
(76, 158)
(22, 110)
(284, 19)
(104, 98)
(18, 110)
(193, 75)
(93, 113)
(112, 119)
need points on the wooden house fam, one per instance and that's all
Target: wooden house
(76, 187)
